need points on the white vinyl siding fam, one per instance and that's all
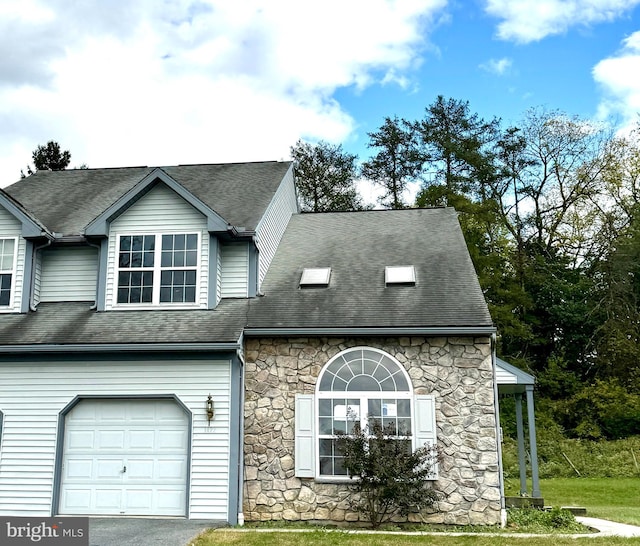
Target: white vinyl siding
(34, 394)
(10, 227)
(274, 222)
(235, 270)
(161, 211)
(505, 377)
(69, 274)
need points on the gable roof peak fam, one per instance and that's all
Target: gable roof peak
(69, 201)
(100, 225)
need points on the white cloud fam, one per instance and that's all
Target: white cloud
(525, 21)
(497, 66)
(164, 82)
(619, 78)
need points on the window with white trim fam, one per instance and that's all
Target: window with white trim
(7, 270)
(356, 386)
(154, 269)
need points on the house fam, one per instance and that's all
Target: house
(179, 341)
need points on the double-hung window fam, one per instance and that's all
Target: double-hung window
(7, 270)
(155, 269)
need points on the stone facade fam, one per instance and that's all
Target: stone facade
(456, 370)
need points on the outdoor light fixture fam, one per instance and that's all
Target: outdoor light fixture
(209, 408)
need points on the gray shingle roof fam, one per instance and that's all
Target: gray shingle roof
(66, 201)
(357, 247)
(76, 323)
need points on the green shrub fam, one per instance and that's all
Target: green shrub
(388, 477)
(541, 521)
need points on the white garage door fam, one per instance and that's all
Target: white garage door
(125, 457)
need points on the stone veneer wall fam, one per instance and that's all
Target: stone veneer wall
(457, 370)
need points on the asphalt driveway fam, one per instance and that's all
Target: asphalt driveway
(146, 531)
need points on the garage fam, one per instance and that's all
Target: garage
(126, 457)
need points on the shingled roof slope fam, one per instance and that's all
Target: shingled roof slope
(75, 323)
(357, 247)
(66, 201)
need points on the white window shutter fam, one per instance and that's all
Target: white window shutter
(305, 455)
(425, 423)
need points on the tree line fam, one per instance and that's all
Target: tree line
(550, 209)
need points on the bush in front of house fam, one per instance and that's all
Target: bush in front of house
(389, 478)
(534, 520)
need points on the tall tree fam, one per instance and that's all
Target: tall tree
(325, 177)
(618, 339)
(456, 147)
(567, 158)
(397, 163)
(49, 157)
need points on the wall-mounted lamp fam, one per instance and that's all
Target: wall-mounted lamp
(209, 408)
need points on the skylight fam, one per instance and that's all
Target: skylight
(399, 274)
(315, 276)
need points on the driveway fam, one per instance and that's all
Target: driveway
(146, 531)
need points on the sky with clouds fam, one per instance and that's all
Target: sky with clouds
(165, 82)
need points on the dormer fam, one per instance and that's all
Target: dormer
(161, 248)
(141, 238)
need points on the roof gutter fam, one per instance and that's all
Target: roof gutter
(69, 239)
(364, 331)
(240, 233)
(120, 348)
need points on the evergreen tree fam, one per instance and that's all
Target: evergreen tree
(49, 157)
(325, 177)
(456, 147)
(397, 163)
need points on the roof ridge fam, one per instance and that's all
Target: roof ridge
(327, 212)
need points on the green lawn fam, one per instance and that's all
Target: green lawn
(320, 538)
(617, 499)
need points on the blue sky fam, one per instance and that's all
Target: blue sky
(500, 78)
(154, 82)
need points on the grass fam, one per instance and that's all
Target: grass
(614, 499)
(342, 538)
(617, 499)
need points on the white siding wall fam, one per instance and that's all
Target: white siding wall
(10, 227)
(234, 270)
(503, 377)
(160, 211)
(32, 396)
(274, 222)
(69, 274)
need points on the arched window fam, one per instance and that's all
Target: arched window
(356, 386)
